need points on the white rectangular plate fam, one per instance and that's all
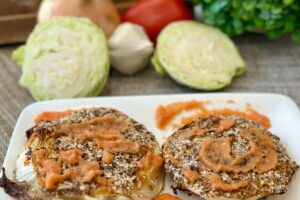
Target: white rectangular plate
(282, 111)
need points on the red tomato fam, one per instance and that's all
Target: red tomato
(154, 15)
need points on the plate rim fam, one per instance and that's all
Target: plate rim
(35, 105)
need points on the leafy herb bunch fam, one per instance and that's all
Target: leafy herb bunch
(273, 17)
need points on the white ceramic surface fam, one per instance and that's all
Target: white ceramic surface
(283, 112)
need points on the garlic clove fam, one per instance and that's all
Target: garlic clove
(130, 48)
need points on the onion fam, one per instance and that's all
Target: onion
(102, 12)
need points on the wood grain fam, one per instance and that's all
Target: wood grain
(16, 7)
(18, 18)
(273, 66)
(16, 28)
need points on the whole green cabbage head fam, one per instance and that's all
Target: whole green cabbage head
(64, 57)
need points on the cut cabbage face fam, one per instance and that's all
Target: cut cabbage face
(64, 57)
(26, 174)
(197, 55)
(148, 176)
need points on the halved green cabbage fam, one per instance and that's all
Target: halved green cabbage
(197, 55)
(64, 57)
(25, 174)
(26, 178)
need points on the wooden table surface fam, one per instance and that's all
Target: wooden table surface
(273, 67)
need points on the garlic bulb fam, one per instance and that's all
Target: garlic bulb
(130, 48)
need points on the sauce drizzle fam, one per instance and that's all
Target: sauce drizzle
(191, 175)
(84, 171)
(165, 114)
(51, 115)
(217, 184)
(106, 133)
(216, 154)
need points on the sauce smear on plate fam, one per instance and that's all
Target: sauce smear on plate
(51, 115)
(166, 113)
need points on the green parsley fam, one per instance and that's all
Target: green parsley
(273, 17)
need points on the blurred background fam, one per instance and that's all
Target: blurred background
(274, 18)
(265, 33)
(18, 17)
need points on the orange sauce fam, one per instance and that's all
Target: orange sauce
(119, 146)
(52, 180)
(166, 196)
(106, 133)
(103, 181)
(225, 125)
(173, 161)
(72, 156)
(191, 175)
(216, 154)
(50, 116)
(263, 148)
(104, 128)
(41, 153)
(151, 159)
(217, 184)
(88, 171)
(165, 114)
(49, 167)
(51, 170)
(195, 131)
(84, 171)
(108, 157)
